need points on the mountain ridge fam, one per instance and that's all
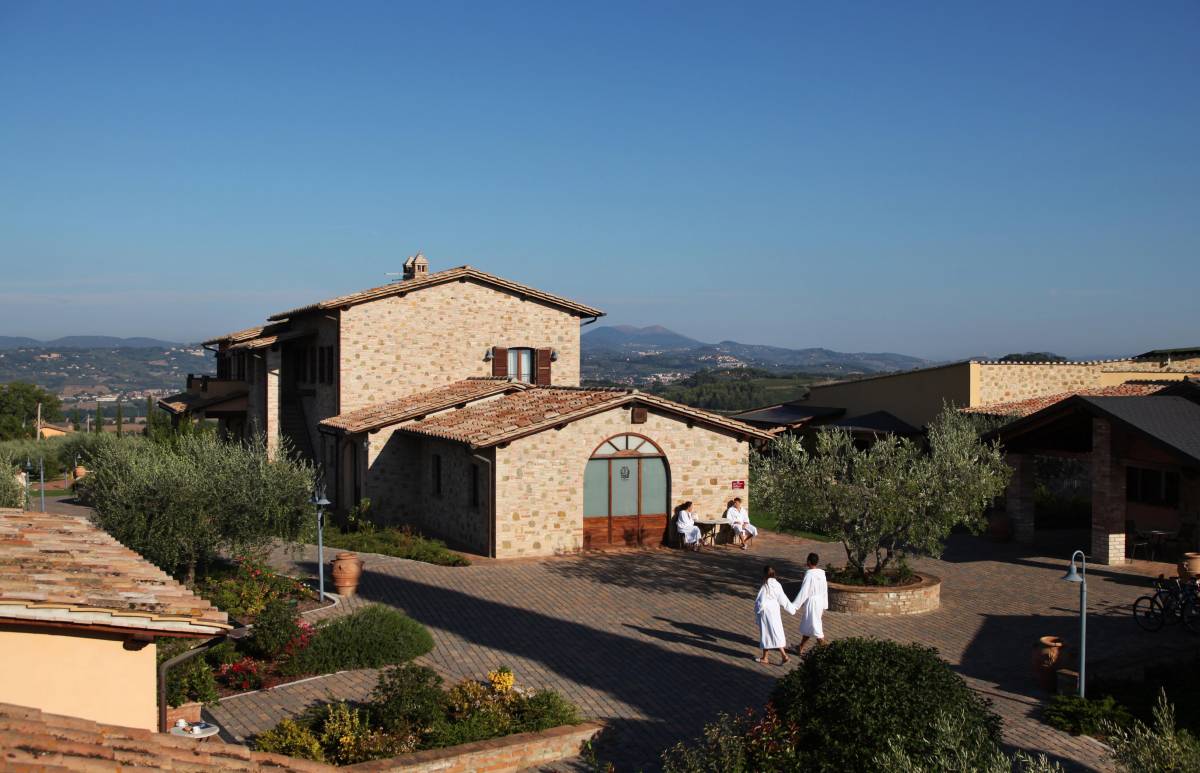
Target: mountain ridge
(87, 342)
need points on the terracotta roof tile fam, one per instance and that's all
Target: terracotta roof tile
(187, 402)
(239, 335)
(1031, 405)
(57, 568)
(538, 408)
(437, 278)
(420, 404)
(31, 739)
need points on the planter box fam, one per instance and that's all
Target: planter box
(498, 755)
(922, 596)
(190, 712)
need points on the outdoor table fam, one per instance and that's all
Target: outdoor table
(207, 731)
(710, 528)
(1157, 538)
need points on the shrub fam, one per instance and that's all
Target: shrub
(399, 542)
(373, 637)
(244, 674)
(408, 699)
(1162, 747)
(957, 744)
(1083, 715)
(222, 654)
(292, 739)
(543, 710)
(12, 493)
(189, 681)
(848, 698)
(250, 587)
(749, 743)
(274, 629)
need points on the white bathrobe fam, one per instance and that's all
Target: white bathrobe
(766, 608)
(813, 600)
(741, 521)
(687, 527)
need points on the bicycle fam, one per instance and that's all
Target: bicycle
(1173, 601)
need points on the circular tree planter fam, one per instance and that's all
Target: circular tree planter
(924, 595)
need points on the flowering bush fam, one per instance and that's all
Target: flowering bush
(245, 674)
(253, 584)
(501, 680)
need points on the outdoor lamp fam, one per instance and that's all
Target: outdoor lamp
(487, 356)
(319, 500)
(1081, 578)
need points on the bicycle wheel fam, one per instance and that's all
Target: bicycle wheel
(1172, 607)
(1191, 616)
(1148, 613)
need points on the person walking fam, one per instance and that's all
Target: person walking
(812, 601)
(770, 600)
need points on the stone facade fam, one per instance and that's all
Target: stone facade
(404, 344)
(1108, 497)
(924, 596)
(1019, 498)
(1000, 382)
(539, 479)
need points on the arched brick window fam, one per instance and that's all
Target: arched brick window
(625, 492)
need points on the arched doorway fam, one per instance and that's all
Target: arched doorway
(626, 493)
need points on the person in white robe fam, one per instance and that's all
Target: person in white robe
(685, 523)
(812, 601)
(771, 599)
(739, 519)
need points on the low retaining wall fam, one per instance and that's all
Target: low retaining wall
(498, 755)
(923, 596)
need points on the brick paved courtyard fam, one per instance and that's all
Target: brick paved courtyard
(658, 642)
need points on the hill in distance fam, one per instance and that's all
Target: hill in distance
(85, 342)
(621, 352)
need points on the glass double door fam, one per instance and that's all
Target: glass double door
(625, 501)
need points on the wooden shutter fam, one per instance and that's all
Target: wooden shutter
(638, 415)
(499, 362)
(542, 368)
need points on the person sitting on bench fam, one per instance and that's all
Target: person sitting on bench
(739, 519)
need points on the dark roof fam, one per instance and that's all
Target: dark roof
(1173, 421)
(1155, 353)
(786, 414)
(462, 273)
(877, 421)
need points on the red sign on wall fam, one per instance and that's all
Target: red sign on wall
(739, 484)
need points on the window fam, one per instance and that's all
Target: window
(437, 475)
(1152, 487)
(627, 475)
(520, 365)
(328, 370)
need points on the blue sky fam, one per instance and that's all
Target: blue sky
(938, 179)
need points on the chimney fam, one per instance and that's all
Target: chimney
(416, 267)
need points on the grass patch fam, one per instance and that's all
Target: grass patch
(400, 542)
(765, 519)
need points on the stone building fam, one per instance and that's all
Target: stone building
(451, 400)
(917, 396)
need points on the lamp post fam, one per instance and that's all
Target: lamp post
(319, 500)
(28, 477)
(42, 479)
(1081, 578)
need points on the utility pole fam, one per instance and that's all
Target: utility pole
(39, 423)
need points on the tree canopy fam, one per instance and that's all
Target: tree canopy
(887, 500)
(18, 409)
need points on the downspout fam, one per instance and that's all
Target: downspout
(491, 506)
(590, 321)
(164, 666)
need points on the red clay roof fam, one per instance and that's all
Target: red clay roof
(63, 569)
(540, 408)
(33, 740)
(240, 335)
(188, 402)
(1031, 405)
(415, 406)
(437, 278)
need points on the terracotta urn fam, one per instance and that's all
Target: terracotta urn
(1191, 562)
(347, 568)
(1046, 654)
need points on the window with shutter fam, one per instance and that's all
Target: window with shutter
(499, 362)
(542, 377)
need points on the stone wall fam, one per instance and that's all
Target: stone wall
(924, 596)
(498, 755)
(539, 487)
(1108, 497)
(1000, 382)
(400, 345)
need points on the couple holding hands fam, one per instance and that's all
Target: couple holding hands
(811, 602)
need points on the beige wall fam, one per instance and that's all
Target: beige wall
(81, 675)
(539, 487)
(915, 396)
(399, 345)
(1001, 382)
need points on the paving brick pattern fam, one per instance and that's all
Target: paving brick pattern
(656, 643)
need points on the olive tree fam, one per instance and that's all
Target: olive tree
(890, 499)
(12, 493)
(181, 503)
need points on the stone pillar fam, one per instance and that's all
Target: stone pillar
(1108, 498)
(271, 370)
(1020, 496)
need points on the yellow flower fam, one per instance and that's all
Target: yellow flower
(502, 680)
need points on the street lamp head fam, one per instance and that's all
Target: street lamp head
(322, 502)
(1072, 575)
